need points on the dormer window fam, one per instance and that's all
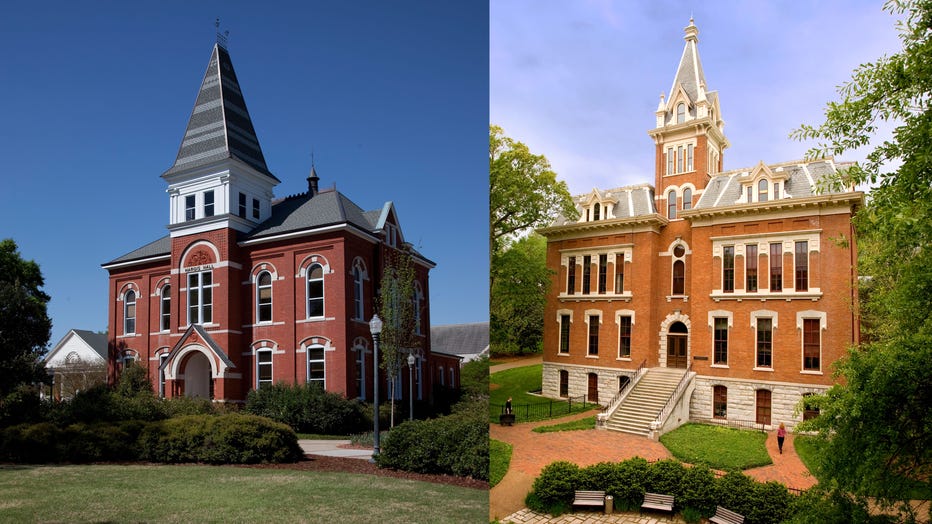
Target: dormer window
(595, 211)
(776, 190)
(680, 113)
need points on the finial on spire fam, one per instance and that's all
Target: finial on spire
(221, 38)
(312, 179)
(692, 32)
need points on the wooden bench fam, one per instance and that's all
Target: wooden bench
(589, 498)
(657, 501)
(726, 516)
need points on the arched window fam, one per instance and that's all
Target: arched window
(264, 297)
(166, 311)
(679, 277)
(316, 366)
(762, 191)
(680, 113)
(315, 291)
(671, 205)
(129, 313)
(595, 211)
(263, 368)
(687, 199)
(357, 294)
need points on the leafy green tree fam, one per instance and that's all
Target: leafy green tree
(518, 296)
(474, 377)
(25, 326)
(524, 192)
(877, 420)
(396, 308)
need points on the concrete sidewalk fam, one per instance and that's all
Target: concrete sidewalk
(331, 448)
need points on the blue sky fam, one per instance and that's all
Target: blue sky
(94, 97)
(579, 81)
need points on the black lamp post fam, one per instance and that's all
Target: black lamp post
(411, 386)
(375, 327)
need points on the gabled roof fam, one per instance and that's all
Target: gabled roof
(466, 340)
(96, 341)
(300, 212)
(628, 202)
(220, 126)
(196, 333)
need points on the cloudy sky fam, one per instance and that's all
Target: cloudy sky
(579, 81)
(94, 98)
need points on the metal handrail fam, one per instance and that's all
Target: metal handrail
(621, 392)
(676, 393)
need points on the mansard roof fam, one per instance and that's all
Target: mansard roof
(628, 202)
(220, 126)
(801, 179)
(300, 212)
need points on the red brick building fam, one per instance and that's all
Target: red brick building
(246, 290)
(744, 280)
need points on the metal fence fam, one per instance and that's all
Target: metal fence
(733, 423)
(544, 410)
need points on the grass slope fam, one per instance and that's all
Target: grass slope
(575, 425)
(516, 383)
(499, 460)
(718, 447)
(137, 493)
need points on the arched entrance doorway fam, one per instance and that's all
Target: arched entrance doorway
(677, 337)
(197, 379)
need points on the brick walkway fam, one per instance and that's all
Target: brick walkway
(532, 451)
(526, 516)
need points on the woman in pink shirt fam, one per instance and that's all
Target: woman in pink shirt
(781, 434)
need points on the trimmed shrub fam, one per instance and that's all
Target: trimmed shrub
(697, 492)
(21, 406)
(664, 477)
(734, 492)
(629, 490)
(556, 484)
(308, 409)
(457, 444)
(220, 439)
(30, 443)
(100, 442)
(769, 503)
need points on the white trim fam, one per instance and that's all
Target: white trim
(309, 232)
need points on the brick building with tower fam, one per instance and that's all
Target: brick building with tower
(247, 290)
(708, 295)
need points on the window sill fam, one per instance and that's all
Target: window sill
(595, 297)
(719, 366)
(684, 298)
(739, 295)
(129, 335)
(810, 372)
(312, 319)
(624, 359)
(563, 354)
(592, 356)
(769, 370)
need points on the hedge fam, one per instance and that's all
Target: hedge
(696, 490)
(307, 408)
(456, 444)
(212, 439)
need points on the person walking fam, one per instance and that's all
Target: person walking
(508, 406)
(781, 434)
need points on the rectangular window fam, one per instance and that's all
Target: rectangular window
(689, 157)
(200, 298)
(603, 268)
(764, 343)
(728, 269)
(619, 273)
(669, 160)
(564, 383)
(571, 276)
(802, 266)
(720, 402)
(564, 334)
(166, 312)
(624, 337)
(593, 335)
(720, 342)
(263, 369)
(189, 207)
(812, 347)
(208, 203)
(776, 267)
(750, 268)
(776, 190)
(750, 194)
(316, 366)
(242, 205)
(255, 208)
(586, 274)
(162, 358)
(679, 160)
(361, 373)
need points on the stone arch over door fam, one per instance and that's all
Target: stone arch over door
(665, 332)
(195, 369)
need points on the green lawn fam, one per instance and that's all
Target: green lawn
(499, 459)
(143, 493)
(575, 425)
(718, 447)
(517, 383)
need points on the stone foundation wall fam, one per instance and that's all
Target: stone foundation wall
(742, 399)
(579, 380)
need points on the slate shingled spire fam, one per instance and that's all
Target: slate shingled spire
(689, 73)
(219, 126)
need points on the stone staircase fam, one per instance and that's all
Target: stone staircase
(645, 401)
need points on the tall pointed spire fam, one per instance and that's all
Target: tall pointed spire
(219, 126)
(689, 74)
